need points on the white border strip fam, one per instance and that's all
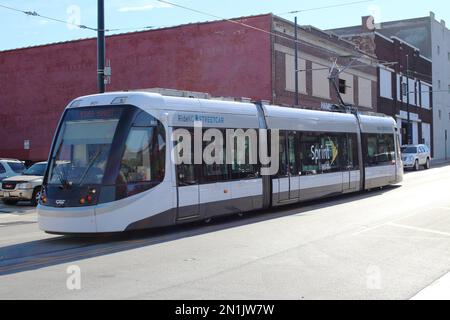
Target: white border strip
(439, 290)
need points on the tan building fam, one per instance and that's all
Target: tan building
(318, 50)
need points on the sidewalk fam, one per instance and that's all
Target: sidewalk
(436, 162)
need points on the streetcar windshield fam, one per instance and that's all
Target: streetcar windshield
(82, 148)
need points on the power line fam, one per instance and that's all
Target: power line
(36, 14)
(262, 30)
(325, 7)
(136, 29)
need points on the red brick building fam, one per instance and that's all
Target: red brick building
(220, 58)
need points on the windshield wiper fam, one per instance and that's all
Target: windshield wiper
(90, 165)
(65, 184)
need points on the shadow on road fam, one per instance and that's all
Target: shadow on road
(66, 249)
(19, 208)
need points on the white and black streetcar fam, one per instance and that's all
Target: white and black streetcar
(111, 166)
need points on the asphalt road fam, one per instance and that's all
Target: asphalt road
(387, 244)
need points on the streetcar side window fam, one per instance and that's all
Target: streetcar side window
(309, 141)
(380, 149)
(250, 168)
(187, 173)
(322, 153)
(143, 161)
(217, 171)
(335, 160)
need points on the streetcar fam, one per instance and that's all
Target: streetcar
(114, 163)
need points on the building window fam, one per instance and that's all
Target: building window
(412, 91)
(404, 91)
(439, 85)
(425, 92)
(365, 92)
(399, 87)
(385, 84)
(440, 114)
(320, 82)
(438, 50)
(290, 74)
(342, 86)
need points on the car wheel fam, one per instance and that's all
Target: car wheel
(36, 196)
(10, 202)
(416, 166)
(428, 164)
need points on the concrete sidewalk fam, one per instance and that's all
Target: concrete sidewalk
(436, 162)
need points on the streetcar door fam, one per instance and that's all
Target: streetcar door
(289, 177)
(351, 175)
(188, 192)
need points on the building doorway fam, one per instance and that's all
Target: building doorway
(404, 132)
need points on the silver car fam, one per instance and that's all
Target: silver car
(415, 156)
(10, 168)
(25, 187)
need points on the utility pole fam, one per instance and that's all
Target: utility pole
(296, 63)
(408, 129)
(101, 55)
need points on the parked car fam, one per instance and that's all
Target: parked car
(25, 187)
(415, 156)
(10, 168)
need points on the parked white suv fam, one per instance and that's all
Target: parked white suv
(26, 187)
(10, 168)
(415, 156)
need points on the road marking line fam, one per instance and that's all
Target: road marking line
(419, 229)
(407, 237)
(439, 290)
(384, 224)
(367, 230)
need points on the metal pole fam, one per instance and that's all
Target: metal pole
(408, 129)
(296, 63)
(101, 55)
(446, 144)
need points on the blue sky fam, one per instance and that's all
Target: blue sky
(20, 30)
